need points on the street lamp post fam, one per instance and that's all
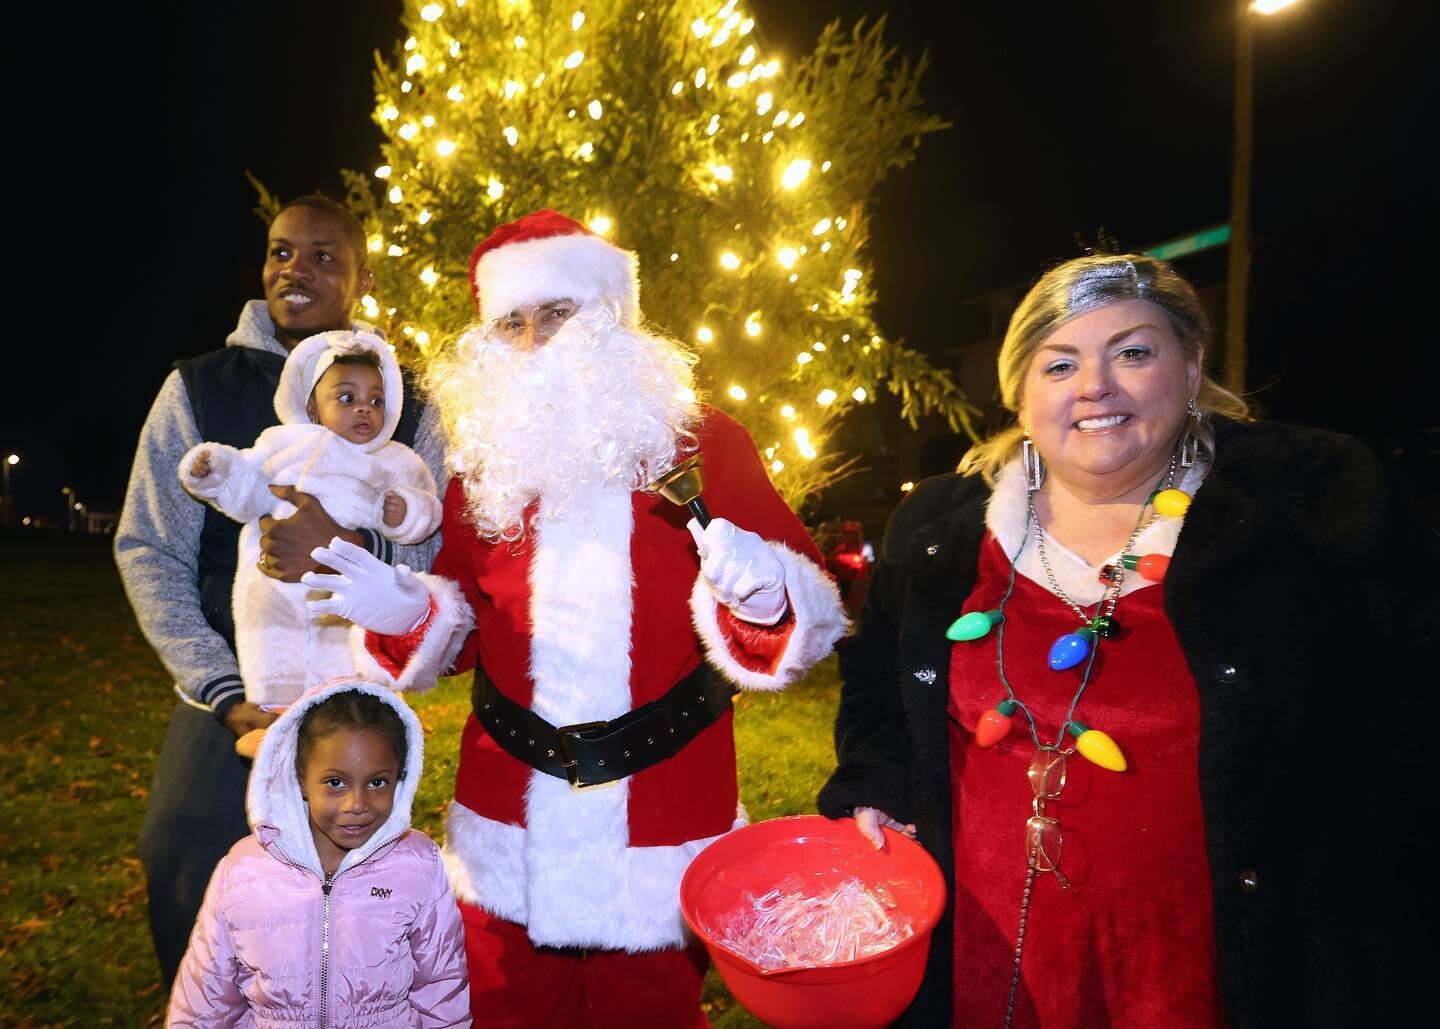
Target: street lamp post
(11, 461)
(1237, 282)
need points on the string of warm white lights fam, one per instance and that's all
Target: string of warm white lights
(665, 127)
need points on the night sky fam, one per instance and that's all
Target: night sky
(131, 131)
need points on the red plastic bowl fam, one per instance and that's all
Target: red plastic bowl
(871, 991)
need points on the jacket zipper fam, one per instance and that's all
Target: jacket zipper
(325, 886)
(325, 951)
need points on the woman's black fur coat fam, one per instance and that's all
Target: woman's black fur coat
(1304, 594)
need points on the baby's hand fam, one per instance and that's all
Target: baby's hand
(200, 467)
(393, 508)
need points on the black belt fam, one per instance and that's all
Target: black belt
(594, 753)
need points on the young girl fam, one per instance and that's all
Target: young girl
(335, 912)
(338, 401)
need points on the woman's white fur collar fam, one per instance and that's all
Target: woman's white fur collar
(1006, 516)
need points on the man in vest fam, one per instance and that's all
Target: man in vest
(607, 637)
(177, 557)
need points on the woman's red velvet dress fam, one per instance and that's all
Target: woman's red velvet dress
(1131, 942)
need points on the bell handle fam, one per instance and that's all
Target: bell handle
(700, 511)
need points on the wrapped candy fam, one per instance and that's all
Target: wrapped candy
(788, 928)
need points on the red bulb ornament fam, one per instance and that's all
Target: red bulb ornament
(1153, 566)
(1147, 566)
(994, 725)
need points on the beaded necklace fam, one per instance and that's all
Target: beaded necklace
(1074, 648)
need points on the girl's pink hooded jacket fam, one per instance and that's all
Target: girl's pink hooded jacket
(377, 945)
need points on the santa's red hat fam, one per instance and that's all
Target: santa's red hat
(548, 256)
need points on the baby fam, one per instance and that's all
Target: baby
(338, 401)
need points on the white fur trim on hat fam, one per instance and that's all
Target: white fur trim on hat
(583, 268)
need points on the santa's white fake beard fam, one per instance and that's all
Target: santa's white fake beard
(599, 404)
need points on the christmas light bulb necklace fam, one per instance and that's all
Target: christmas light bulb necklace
(1072, 648)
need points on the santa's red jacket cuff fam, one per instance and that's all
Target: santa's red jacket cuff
(393, 653)
(756, 648)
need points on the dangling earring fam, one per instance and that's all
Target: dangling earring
(1031, 462)
(1189, 444)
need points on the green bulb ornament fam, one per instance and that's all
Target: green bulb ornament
(973, 626)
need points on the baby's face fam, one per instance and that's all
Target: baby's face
(349, 400)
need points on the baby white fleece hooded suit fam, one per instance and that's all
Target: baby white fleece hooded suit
(282, 647)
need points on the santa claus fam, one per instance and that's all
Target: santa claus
(606, 634)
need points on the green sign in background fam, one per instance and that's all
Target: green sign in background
(1191, 244)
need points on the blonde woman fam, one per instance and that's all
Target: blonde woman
(1136, 676)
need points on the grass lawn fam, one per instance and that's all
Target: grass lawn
(84, 704)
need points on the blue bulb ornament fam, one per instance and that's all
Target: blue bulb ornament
(1071, 649)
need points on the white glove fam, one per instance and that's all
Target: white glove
(367, 591)
(741, 570)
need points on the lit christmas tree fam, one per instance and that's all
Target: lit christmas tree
(664, 127)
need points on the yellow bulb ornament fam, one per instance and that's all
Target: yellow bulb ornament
(1172, 503)
(1097, 747)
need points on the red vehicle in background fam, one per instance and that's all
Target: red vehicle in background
(848, 558)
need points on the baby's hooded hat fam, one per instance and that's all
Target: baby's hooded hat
(314, 355)
(279, 816)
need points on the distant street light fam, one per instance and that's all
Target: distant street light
(1237, 286)
(10, 462)
(71, 503)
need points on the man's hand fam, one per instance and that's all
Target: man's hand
(244, 716)
(741, 570)
(367, 591)
(286, 543)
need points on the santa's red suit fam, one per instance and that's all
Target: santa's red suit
(595, 611)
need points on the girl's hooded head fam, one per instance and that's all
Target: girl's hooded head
(336, 774)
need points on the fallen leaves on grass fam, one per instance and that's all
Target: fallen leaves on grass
(129, 894)
(80, 789)
(55, 904)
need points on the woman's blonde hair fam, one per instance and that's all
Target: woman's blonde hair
(1078, 287)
